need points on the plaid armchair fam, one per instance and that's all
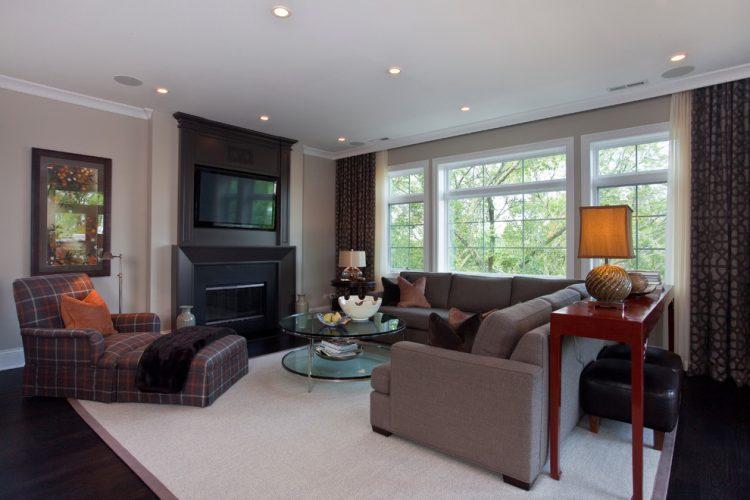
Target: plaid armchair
(72, 363)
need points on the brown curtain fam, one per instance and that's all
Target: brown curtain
(355, 207)
(720, 232)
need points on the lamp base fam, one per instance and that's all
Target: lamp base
(608, 284)
(351, 273)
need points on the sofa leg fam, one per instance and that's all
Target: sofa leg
(517, 483)
(380, 431)
(658, 440)
(594, 424)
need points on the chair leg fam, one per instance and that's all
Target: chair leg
(380, 431)
(517, 483)
(658, 440)
(594, 424)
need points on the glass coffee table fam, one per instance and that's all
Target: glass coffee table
(306, 362)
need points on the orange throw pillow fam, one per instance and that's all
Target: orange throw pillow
(412, 295)
(91, 312)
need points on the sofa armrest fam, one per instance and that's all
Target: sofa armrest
(136, 322)
(483, 409)
(62, 346)
(380, 381)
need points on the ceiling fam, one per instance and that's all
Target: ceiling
(321, 73)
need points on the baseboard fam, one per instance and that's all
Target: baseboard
(11, 358)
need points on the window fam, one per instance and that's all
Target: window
(406, 220)
(507, 214)
(633, 171)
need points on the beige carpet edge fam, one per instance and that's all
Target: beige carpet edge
(156, 486)
(664, 469)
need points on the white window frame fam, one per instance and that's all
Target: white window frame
(441, 196)
(395, 171)
(591, 181)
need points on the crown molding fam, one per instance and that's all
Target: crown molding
(611, 99)
(37, 89)
(321, 153)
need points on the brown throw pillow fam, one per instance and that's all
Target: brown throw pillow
(91, 312)
(412, 295)
(456, 338)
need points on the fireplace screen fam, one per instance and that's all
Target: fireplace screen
(235, 302)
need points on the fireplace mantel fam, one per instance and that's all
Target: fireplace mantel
(196, 268)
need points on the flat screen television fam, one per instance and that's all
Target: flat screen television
(232, 199)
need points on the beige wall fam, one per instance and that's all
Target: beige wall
(599, 120)
(318, 229)
(163, 196)
(28, 121)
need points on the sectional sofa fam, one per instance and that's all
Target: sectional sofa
(488, 406)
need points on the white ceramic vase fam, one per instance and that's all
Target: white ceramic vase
(185, 318)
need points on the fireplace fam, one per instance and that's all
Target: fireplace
(225, 303)
(244, 288)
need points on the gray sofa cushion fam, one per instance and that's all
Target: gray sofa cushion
(562, 298)
(416, 318)
(437, 289)
(501, 330)
(525, 288)
(581, 288)
(479, 293)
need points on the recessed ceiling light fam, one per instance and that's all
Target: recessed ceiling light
(680, 56)
(394, 70)
(162, 90)
(281, 11)
(465, 108)
(342, 139)
(264, 118)
(130, 81)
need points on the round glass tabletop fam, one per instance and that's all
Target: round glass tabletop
(309, 326)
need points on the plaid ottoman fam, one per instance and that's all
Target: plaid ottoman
(215, 368)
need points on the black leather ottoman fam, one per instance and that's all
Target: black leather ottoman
(605, 392)
(654, 356)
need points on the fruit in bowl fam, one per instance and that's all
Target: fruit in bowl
(332, 318)
(360, 309)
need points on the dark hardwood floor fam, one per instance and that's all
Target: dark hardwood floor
(712, 450)
(47, 451)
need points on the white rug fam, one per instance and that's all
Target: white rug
(268, 438)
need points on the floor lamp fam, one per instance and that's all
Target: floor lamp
(110, 256)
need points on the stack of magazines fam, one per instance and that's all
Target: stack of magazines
(338, 349)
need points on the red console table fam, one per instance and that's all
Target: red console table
(631, 326)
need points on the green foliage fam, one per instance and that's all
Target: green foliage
(509, 234)
(542, 168)
(634, 158)
(407, 184)
(406, 235)
(649, 204)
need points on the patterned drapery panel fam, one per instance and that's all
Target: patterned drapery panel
(355, 207)
(720, 232)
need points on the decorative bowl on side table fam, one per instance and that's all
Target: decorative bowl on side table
(307, 363)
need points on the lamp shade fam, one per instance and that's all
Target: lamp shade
(352, 258)
(606, 232)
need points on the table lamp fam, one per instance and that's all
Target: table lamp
(351, 261)
(606, 234)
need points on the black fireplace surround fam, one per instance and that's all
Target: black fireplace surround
(242, 278)
(245, 288)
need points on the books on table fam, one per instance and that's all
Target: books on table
(339, 349)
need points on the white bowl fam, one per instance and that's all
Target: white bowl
(360, 309)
